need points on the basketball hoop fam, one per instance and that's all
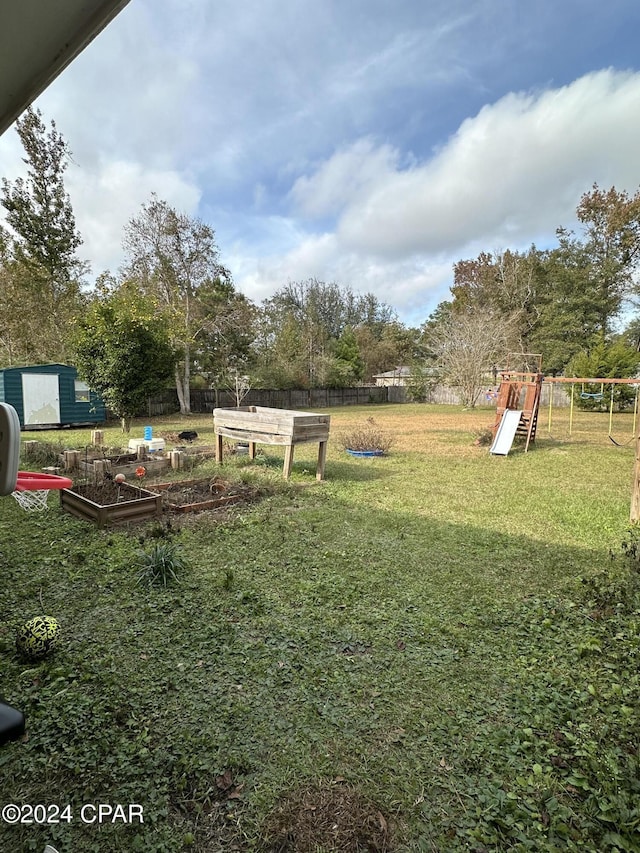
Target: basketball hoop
(32, 490)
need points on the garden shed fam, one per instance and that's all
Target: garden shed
(50, 395)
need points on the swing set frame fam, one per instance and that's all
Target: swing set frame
(573, 381)
(523, 391)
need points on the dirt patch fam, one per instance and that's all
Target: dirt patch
(206, 494)
(331, 817)
(195, 494)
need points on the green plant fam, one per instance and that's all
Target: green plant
(367, 437)
(162, 565)
(42, 454)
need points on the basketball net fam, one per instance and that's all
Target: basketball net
(32, 490)
(32, 501)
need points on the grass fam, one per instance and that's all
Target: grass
(441, 631)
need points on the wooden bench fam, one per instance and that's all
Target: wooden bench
(264, 425)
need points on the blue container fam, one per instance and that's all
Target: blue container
(148, 433)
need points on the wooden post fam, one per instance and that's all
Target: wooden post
(30, 447)
(288, 461)
(141, 452)
(100, 468)
(97, 437)
(252, 450)
(219, 449)
(635, 496)
(71, 460)
(322, 458)
(177, 459)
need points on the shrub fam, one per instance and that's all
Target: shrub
(483, 437)
(367, 437)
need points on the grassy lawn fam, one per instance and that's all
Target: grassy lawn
(433, 651)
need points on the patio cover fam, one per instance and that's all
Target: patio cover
(38, 39)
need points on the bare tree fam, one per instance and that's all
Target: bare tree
(240, 386)
(468, 344)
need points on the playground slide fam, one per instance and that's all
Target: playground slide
(506, 432)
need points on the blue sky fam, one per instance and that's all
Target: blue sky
(368, 143)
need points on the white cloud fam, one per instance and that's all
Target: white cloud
(407, 285)
(511, 173)
(349, 176)
(508, 177)
(104, 200)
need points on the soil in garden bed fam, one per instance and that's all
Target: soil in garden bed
(201, 491)
(178, 494)
(108, 492)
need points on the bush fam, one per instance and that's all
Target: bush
(367, 437)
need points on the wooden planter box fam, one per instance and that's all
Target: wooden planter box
(264, 425)
(94, 467)
(216, 500)
(147, 505)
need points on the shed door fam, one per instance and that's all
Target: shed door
(41, 398)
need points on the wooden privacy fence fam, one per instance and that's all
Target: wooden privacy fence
(206, 400)
(447, 395)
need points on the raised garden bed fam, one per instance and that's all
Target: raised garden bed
(266, 425)
(110, 503)
(203, 494)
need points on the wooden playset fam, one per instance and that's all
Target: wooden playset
(517, 407)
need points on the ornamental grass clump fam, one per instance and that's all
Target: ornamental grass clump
(368, 437)
(162, 565)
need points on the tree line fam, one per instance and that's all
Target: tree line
(172, 313)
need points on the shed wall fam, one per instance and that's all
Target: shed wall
(71, 412)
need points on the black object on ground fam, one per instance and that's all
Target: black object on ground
(11, 723)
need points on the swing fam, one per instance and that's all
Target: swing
(598, 395)
(574, 396)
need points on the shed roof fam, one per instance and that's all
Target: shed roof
(390, 374)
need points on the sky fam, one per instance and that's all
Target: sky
(372, 144)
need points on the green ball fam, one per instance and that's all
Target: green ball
(38, 637)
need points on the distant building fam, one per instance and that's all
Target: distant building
(399, 376)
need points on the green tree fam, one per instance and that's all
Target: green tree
(123, 352)
(175, 261)
(604, 361)
(281, 354)
(303, 323)
(588, 278)
(348, 366)
(506, 283)
(44, 239)
(224, 348)
(611, 248)
(564, 299)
